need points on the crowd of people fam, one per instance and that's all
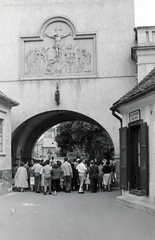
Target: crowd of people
(53, 176)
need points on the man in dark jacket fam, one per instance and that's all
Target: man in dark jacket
(93, 176)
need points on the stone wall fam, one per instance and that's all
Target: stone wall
(5, 181)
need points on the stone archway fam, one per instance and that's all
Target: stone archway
(26, 135)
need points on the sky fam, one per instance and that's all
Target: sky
(144, 13)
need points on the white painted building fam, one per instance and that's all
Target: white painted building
(46, 144)
(137, 132)
(89, 61)
(6, 105)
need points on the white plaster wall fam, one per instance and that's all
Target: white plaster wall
(147, 110)
(89, 97)
(152, 152)
(145, 54)
(110, 20)
(5, 156)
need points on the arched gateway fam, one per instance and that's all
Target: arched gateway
(58, 52)
(85, 55)
(26, 135)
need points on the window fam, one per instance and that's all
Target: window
(1, 135)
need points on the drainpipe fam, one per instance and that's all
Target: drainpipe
(116, 116)
(120, 119)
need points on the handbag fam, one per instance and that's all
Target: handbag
(32, 180)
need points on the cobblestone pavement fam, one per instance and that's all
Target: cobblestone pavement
(71, 216)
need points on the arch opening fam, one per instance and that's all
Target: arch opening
(26, 135)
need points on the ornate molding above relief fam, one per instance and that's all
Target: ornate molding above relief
(58, 52)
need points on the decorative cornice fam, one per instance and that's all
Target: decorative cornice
(8, 100)
(135, 49)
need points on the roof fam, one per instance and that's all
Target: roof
(145, 86)
(7, 99)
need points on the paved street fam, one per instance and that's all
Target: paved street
(70, 216)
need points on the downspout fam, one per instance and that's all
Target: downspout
(121, 123)
(116, 116)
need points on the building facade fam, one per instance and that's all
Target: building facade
(82, 49)
(136, 110)
(46, 145)
(6, 105)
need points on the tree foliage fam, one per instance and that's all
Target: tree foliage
(78, 136)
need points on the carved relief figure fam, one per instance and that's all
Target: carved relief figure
(43, 59)
(58, 45)
(50, 69)
(36, 61)
(61, 51)
(75, 61)
(78, 60)
(68, 60)
(87, 61)
(30, 62)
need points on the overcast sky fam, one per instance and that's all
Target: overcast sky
(144, 13)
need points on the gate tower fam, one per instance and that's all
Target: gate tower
(85, 54)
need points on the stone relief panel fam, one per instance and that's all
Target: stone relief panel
(58, 52)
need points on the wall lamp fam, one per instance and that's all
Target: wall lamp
(57, 95)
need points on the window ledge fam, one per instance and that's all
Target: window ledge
(2, 154)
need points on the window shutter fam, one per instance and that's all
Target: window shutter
(123, 158)
(144, 159)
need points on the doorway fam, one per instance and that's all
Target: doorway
(135, 163)
(134, 159)
(138, 158)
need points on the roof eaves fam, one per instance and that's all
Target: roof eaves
(146, 85)
(8, 100)
(132, 98)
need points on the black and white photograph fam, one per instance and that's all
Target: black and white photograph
(77, 119)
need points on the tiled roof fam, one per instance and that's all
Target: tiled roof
(143, 87)
(7, 99)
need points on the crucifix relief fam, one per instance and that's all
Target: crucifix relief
(57, 37)
(60, 52)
